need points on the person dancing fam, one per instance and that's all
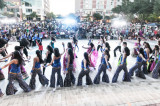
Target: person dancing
(137, 66)
(85, 70)
(15, 74)
(93, 58)
(66, 56)
(48, 58)
(122, 66)
(56, 68)
(147, 51)
(75, 42)
(100, 43)
(36, 69)
(70, 79)
(155, 73)
(102, 68)
(119, 46)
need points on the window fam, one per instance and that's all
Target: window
(27, 4)
(29, 10)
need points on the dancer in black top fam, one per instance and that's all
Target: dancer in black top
(48, 58)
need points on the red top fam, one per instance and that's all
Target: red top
(40, 46)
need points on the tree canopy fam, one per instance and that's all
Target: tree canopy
(97, 16)
(143, 9)
(33, 15)
(2, 4)
(50, 15)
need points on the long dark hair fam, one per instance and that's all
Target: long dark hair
(107, 45)
(127, 51)
(148, 46)
(70, 45)
(92, 45)
(87, 59)
(141, 51)
(70, 52)
(56, 52)
(107, 53)
(18, 48)
(39, 56)
(139, 40)
(50, 48)
(17, 55)
(158, 43)
(102, 39)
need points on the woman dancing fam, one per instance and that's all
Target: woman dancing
(75, 43)
(56, 68)
(70, 79)
(122, 66)
(137, 46)
(85, 70)
(25, 43)
(93, 58)
(23, 71)
(40, 47)
(137, 66)
(15, 74)
(119, 46)
(66, 56)
(100, 43)
(102, 68)
(147, 51)
(36, 69)
(155, 73)
(48, 58)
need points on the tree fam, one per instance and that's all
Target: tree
(97, 16)
(107, 17)
(2, 4)
(33, 15)
(156, 8)
(143, 9)
(50, 15)
(88, 17)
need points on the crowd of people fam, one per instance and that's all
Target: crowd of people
(148, 59)
(42, 30)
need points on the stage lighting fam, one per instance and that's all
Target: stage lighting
(69, 21)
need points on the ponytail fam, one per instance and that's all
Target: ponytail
(39, 56)
(87, 59)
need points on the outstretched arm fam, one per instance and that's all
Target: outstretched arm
(63, 49)
(6, 56)
(85, 47)
(51, 62)
(11, 62)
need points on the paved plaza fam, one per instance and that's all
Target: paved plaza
(138, 92)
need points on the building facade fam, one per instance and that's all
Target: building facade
(41, 7)
(12, 9)
(104, 7)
